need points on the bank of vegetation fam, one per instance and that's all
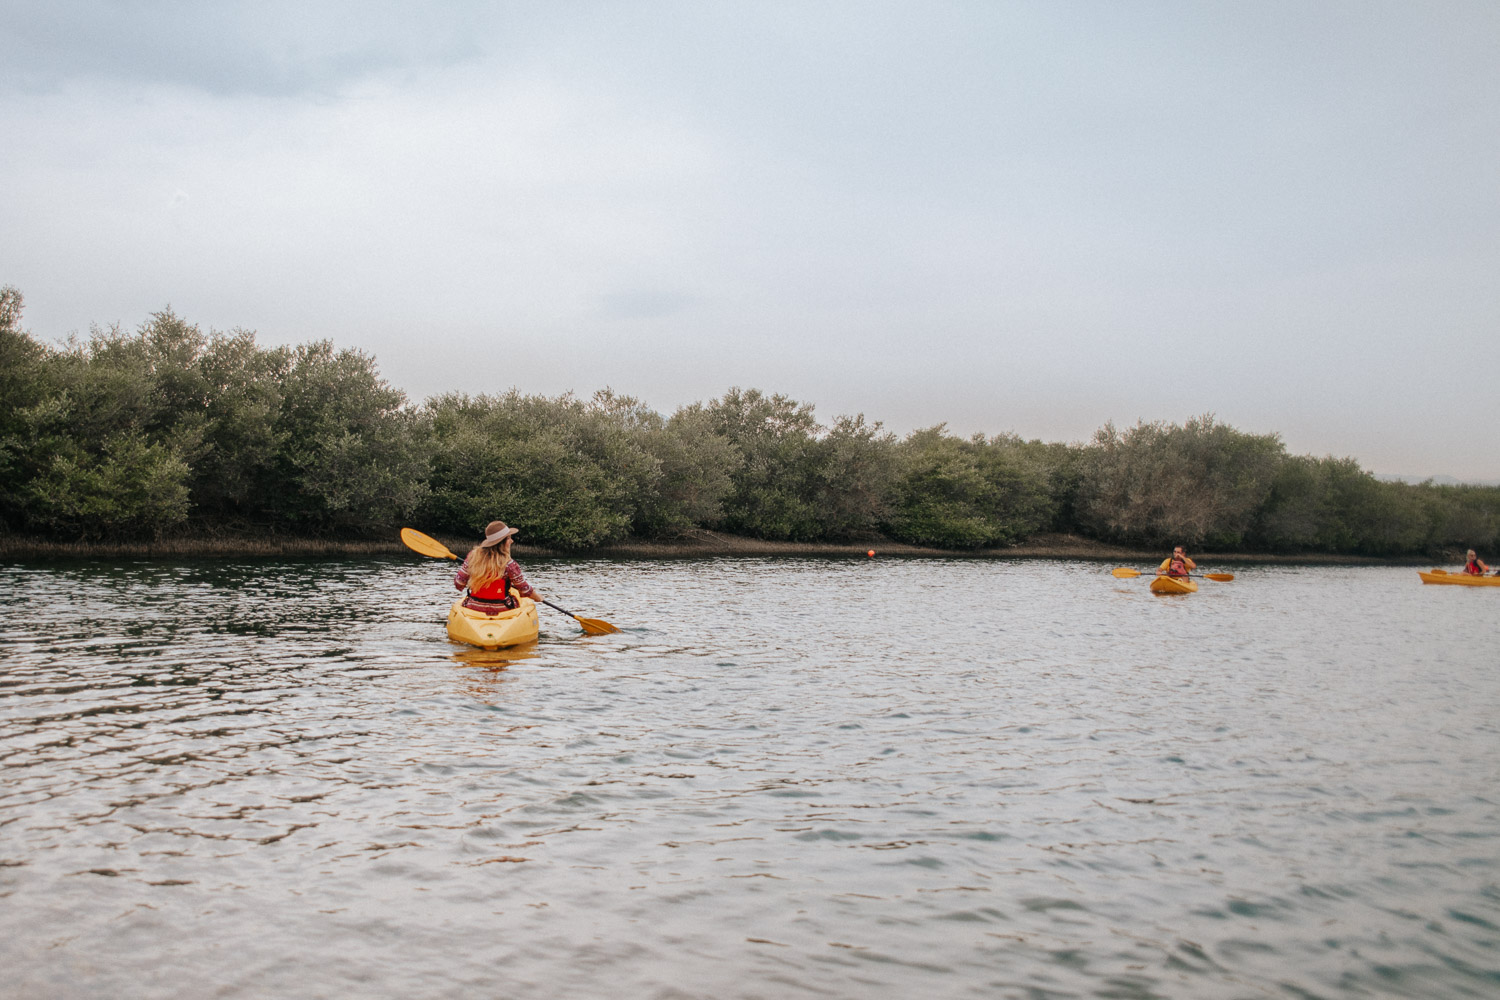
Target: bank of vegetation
(167, 432)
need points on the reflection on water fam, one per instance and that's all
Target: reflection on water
(783, 778)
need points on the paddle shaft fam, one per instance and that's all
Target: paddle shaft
(565, 611)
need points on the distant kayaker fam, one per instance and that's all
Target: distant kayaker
(1177, 564)
(1474, 566)
(490, 573)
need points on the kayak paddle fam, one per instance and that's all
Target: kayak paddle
(429, 546)
(593, 626)
(1129, 574)
(425, 544)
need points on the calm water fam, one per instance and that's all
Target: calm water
(785, 778)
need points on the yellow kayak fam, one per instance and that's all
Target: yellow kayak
(1173, 585)
(1462, 579)
(508, 628)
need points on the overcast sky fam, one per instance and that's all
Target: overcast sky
(1028, 217)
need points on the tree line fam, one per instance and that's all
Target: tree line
(169, 431)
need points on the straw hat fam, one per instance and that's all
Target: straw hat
(496, 532)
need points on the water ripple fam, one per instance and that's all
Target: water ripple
(782, 778)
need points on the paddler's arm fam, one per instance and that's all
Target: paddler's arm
(461, 578)
(518, 580)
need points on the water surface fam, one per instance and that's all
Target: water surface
(785, 778)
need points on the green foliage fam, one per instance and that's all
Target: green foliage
(129, 487)
(12, 304)
(697, 467)
(170, 429)
(791, 478)
(854, 478)
(1387, 518)
(24, 383)
(1328, 505)
(1062, 465)
(1332, 505)
(242, 436)
(961, 494)
(1463, 517)
(1298, 512)
(131, 434)
(774, 487)
(1162, 484)
(565, 473)
(88, 452)
(351, 457)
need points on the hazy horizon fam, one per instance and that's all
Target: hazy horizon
(1035, 218)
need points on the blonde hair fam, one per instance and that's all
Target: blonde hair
(486, 565)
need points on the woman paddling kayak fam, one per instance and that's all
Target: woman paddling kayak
(489, 573)
(1474, 566)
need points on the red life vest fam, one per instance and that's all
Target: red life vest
(497, 591)
(1473, 568)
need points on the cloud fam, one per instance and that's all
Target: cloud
(261, 48)
(1005, 217)
(642, 304)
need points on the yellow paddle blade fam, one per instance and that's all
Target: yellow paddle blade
(592, 626)
(1442, 571)
(1221, 577)
(428, 546)
(1125, 574)
(596, 626)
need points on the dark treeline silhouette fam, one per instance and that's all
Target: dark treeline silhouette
(168, 431)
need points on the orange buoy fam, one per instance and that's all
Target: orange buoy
(871, 553)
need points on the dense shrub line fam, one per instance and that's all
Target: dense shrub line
(169, 431)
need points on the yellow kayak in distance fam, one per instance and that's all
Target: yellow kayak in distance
(1173, 585)
(1461, 579)
(508, 628)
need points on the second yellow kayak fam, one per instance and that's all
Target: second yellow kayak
(508, 628)
(1173, 585)
(1462, 579)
